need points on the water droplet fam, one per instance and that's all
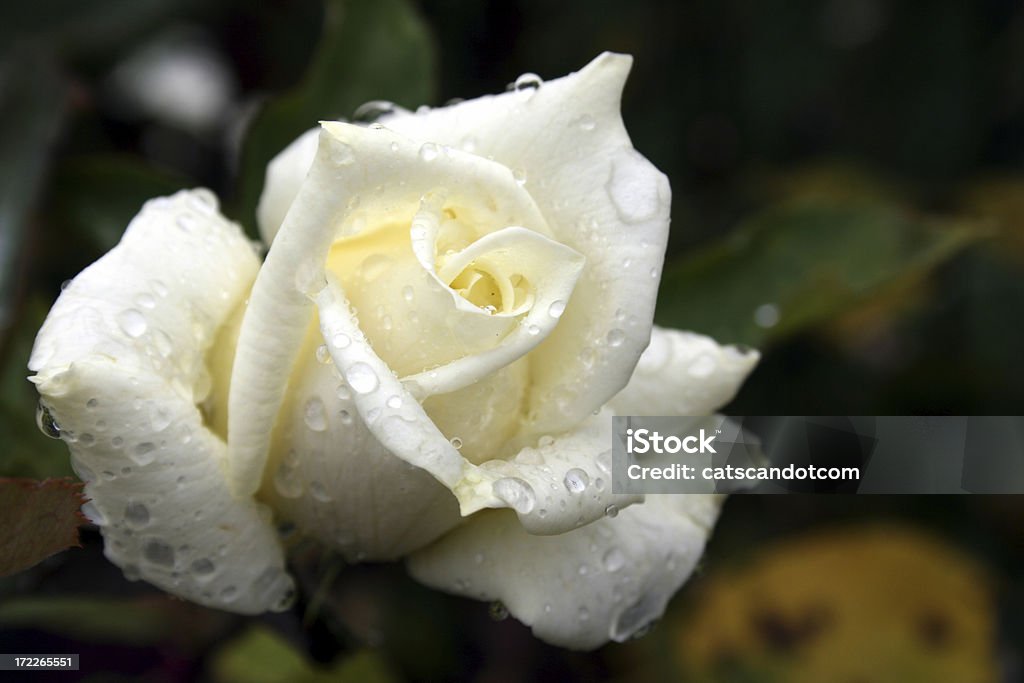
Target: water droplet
(315, 415)
(766, 315)
(186, 222)
(586, 122)
(616, 337)
(159, 553)
(361, 378)
(369, 112)
(611, 511)
(407, 293)
(341, 341)
(633, 191)
(345, 417)
(556, 309)
(203, 568)
(286, 477)
(428, 152)
(576, 480)
(323, 356)
(145, 301)
(456, 442)
(343, 393)
(533, 330)
(159, 287)
(654, 273)
(229, 594)
(468, 144)
(519, 175)
(319, 492)
(394, 402)
(136, 515)
(527, 84)
(614, 560)
(144, 453)
(132, 323)
(47, 425)
(584, 614)
(516, 493)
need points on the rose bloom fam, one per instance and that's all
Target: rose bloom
(452, 306)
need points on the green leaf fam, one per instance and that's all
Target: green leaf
(800, 264)
(370, 50)
(262, 656)
(99, 195)
(40, 518)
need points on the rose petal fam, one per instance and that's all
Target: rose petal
(605, 581)
(554, 485)
(121, 369)
(330, 475)
(284, 176)
(553, 488)
(566, 141)
(682, 373)
(358, 172)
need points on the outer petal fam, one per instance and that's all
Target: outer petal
(121, 368)
(285, 174)
(605, 581)
(566, 140)
(682, 373)
(331, 476)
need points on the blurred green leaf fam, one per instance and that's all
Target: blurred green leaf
(82, 27)
(143, 621)
(99, 195)
(40, 518)
(369, 50)
(33, 98)
(24, 452)
(261, 656)
(800, 264)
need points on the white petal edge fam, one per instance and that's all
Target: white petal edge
(356, 169)
(284, 176)
(605, 581)
(600, 197)
(120, 365)
(684, 373)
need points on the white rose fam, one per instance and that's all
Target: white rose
(502, 256)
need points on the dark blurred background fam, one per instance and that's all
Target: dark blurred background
(848, 180)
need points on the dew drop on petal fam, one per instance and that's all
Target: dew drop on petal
(159, 553)
(47, 425)
(132, 323)
(136, 515)
(616, 337)
(315, 415)
(497, 611)
(576, 480)
(515, 493)
(611, 511)
(341, 341)
(143, 453)
(456, 442)
(362, 378)
(614, 560)
(556, 309)
(428, 152)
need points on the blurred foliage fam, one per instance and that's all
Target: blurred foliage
(871, 604)
(40, 519)
(261, 656)
(799, 264)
